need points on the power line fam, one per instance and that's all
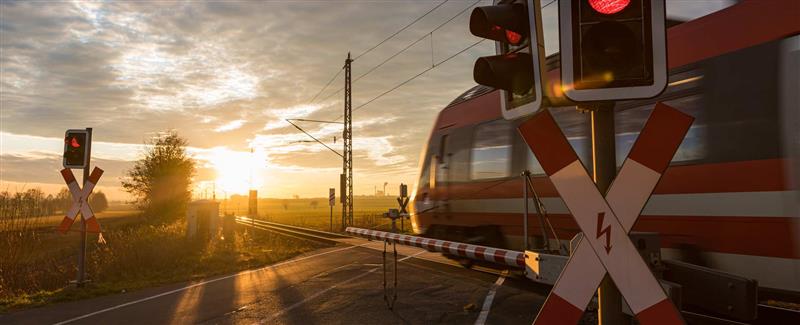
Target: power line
(407, 47)
(414, 77)
(430, 34)
(374, 47)
(433, 66)
(315, 139)
(317, 121)
(401, 30)
(326, 85)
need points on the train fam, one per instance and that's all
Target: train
(729, 199)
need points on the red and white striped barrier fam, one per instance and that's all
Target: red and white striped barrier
(476, 252)
(607, 221)
(80, 201)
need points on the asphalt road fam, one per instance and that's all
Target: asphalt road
(337, 285)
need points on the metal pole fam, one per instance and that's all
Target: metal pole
(331, 218)
(82, 250)
(539, 211)
(348, 140)
(347, 153)
(525, 211)
(604, 166)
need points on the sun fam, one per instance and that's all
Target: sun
(237, 171)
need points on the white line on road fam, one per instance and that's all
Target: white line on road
(202, 283)
(487, 303)
(319, 293)
(410, 256)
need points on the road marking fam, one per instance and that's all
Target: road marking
(410, 256)
(487, 303)
(319, 293)
(202, 283)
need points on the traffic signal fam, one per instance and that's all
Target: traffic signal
(76, 148)
(515, 26)
(612, 49)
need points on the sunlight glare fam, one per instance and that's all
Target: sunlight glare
(237, 171)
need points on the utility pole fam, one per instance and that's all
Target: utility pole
(347, 135)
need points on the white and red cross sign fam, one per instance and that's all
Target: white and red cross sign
(606, 221)
(80, 201)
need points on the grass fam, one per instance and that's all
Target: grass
(37, 264)
(142, 256)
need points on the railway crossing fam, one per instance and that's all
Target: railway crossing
(607, 221)
(80, 201)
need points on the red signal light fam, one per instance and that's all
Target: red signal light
(74, 143)
(513, 37)
(609, 7)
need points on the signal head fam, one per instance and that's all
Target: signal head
(507, 22)
(612, 49)
(515, 25)
(511, 72)
(76, 154)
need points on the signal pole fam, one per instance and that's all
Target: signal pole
(82, 252)
(347, 157)
(604, 167)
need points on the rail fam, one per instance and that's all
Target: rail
(292, 231)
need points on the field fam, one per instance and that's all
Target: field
(315, 212)
(37, 264)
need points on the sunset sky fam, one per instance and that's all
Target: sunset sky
(225, 75)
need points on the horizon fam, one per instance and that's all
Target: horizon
(225, 76)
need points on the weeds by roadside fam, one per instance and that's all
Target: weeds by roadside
(36, 263)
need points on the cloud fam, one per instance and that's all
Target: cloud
(232, 125)
(132, 69)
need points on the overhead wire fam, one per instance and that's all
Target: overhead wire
(401, 30)
(433, 66)
(429, 34)
(374, 47)
(326, 85)
(412, 78)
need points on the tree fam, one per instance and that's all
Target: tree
(98, 201)
(161, 179)
(63, 200)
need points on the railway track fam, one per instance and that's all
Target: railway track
(292, 231)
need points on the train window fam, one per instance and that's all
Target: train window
(741, 95)
(491, 150)
(424, 175)
(433, 168)
(631, 121)
(442, 161)
(576, 127)
(532, 164)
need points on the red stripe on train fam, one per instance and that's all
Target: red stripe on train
(762, 176)
(760, 236)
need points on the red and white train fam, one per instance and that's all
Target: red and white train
(730, 197)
